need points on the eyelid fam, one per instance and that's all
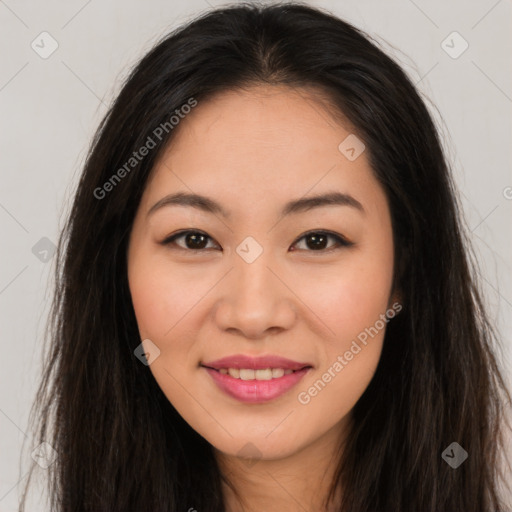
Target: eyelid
(342, 242)
(168, 240)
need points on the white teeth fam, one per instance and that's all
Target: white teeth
(263, 374)
(234, 372)
(247, 374)
(277, 372)
(250, 374)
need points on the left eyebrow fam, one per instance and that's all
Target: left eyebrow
(329, 199)
(296, 206)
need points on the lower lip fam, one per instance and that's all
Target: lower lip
(256, 391)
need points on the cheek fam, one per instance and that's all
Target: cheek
(353, 307)
(162, 295)
(352, 301)
(164, 300)
(350, 297)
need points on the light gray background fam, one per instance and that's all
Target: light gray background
(51, 107)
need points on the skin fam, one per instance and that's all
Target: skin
(252, 151)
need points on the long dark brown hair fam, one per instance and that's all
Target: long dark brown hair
(121, 445)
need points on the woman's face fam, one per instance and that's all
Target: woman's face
(258, 276)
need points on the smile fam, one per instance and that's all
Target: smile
(256, 386)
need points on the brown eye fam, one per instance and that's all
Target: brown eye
(193, 240)
(318, 241)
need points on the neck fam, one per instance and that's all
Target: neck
(299, 481)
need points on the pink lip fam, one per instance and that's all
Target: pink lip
(255, 363)
(256, 391)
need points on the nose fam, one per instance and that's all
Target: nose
(255, 300)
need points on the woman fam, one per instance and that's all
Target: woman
(264, 299)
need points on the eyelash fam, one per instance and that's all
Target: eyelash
(340, 240)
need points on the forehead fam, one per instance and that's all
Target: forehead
(261, 143)
(272, 118)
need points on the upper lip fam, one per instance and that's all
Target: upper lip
(241, 361)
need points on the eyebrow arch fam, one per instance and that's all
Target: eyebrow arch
(303, 204)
